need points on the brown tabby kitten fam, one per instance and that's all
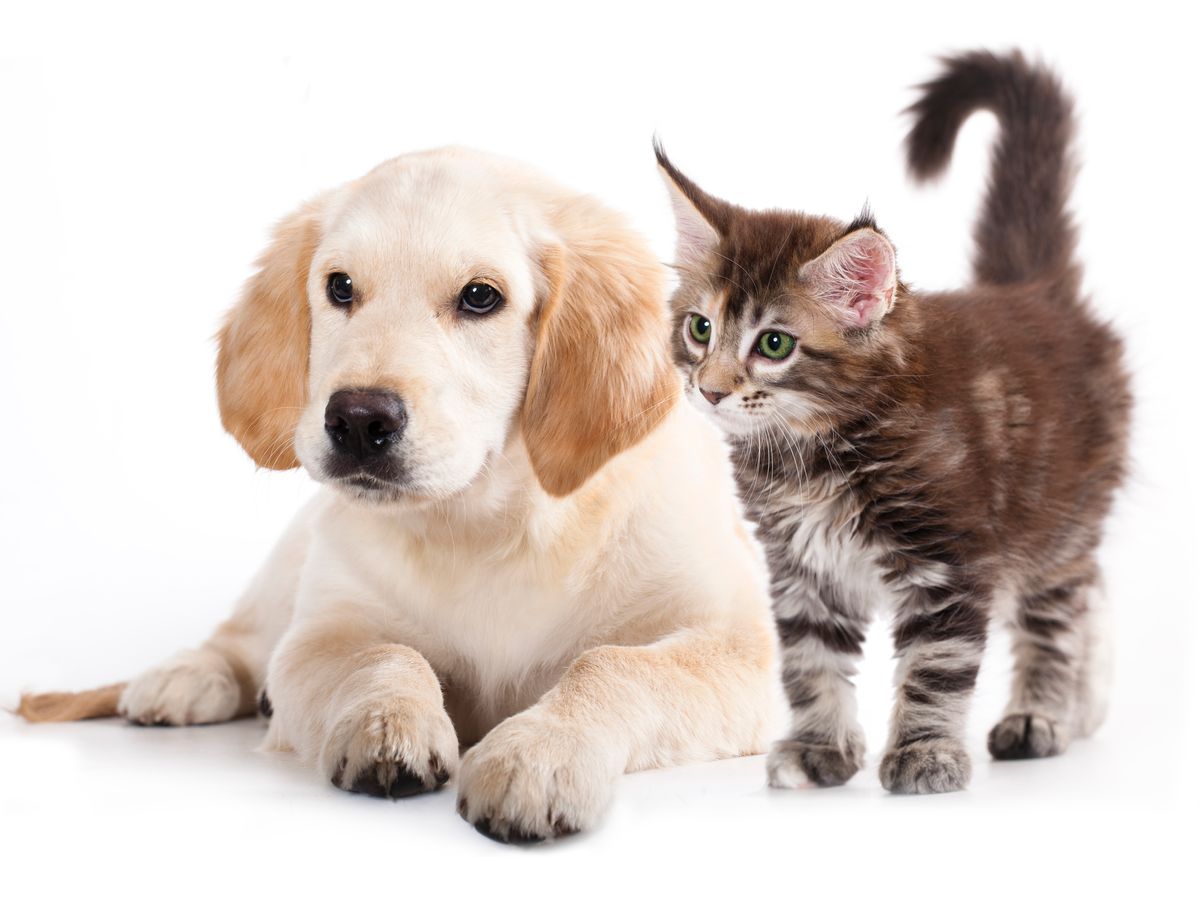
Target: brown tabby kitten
(951, 456)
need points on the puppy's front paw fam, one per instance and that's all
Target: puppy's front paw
(196, 686)
(532, 779)
(1020, 736)
(391, 747)
(793, 763)
(936, 765)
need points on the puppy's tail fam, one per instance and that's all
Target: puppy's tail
(58, 707)
(1024, 231)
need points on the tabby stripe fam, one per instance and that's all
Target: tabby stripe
(962, 620)
(799, 693)
(1042, 625)
(839, 636)
(926, 686)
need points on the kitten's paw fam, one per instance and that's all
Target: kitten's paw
(391, 747)
(794, 763)
(196, 686)
(938, 765)
(531, 779)
(1020, 736)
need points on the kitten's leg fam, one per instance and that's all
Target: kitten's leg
(940, 635)
(1095, 673)
(1059, 674)
(821, 648)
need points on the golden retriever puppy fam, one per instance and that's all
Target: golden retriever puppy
(527, 543)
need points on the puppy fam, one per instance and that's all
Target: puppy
(526, 542)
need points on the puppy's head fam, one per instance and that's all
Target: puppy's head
(404, 329)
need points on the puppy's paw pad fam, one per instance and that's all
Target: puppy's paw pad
(1020, 736)
(392, 748)
(195, 687)
(528, 781)
(793, 763)
(938, 765)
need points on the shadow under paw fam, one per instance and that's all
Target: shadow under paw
(1021, 736)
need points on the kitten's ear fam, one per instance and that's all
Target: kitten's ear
(855, 278)
(696, 214)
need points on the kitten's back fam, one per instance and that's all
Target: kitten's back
(1020, 354)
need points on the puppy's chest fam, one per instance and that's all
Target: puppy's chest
(495, 623)
(818, 548)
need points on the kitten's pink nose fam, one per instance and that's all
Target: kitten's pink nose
(712, 396)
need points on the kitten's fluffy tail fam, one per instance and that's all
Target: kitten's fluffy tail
(1024, 232)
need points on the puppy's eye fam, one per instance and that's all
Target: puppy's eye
(479, 298)
(700, 328)
(775, 346)
(339, 288)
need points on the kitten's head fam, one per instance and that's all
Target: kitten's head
(778, 316)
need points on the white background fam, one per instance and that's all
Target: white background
(144, 155)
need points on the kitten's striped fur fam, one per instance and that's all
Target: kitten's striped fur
(931, 455)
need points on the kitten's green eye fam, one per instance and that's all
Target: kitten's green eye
(700, 328)
(775, 345)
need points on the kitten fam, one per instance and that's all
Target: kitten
(950, 456)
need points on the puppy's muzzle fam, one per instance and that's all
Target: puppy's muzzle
(363, 425)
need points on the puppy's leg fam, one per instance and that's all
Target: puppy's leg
(551, 769)
(222, 679)
(367, 713)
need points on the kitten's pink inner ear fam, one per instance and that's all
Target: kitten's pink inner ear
(856, 277)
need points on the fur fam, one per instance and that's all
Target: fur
(525, 575)
(921, 454)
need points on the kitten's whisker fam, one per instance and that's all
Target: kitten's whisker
(734, 262)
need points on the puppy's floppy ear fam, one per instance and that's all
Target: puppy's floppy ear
(601, 377)
(262, 361)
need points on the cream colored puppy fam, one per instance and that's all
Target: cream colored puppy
(527, 542)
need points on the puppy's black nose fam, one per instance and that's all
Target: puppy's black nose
(364, 423)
